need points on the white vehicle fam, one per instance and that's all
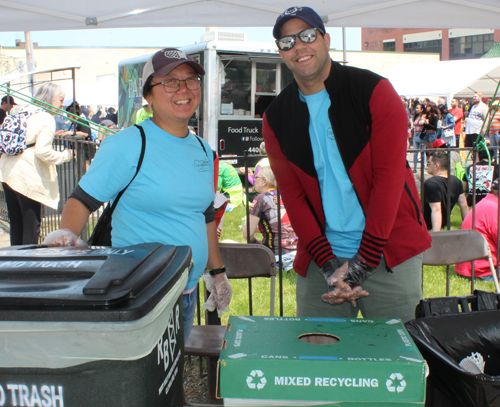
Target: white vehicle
(241, 80)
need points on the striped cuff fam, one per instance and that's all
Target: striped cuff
(320, 250)
(371, 249)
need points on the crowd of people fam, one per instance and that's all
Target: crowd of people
(99, 116)
(452, 179)
(428, 121)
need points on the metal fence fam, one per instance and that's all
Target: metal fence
(68, 175)
(469, 158)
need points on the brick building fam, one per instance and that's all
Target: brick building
(451, 44)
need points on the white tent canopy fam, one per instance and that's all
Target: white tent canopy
(447, 78)
(36, 15)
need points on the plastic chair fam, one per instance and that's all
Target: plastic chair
(479, 301)
(241, 261)
(459, 246)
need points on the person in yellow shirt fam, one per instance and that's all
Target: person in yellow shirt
(144, 113)
(229, 182)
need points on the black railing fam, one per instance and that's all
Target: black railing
(469, 157)
(69, 174)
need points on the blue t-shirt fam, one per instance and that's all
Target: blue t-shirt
(344, 216)
(168, 198)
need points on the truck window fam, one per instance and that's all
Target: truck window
(265, 90)
(286, 76)
(236, 88)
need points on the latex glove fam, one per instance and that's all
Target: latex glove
(347, 282)
(220, 293)
(328, 269)
(63, 237)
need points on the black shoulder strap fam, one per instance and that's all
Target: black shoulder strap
(141, 158)
(201, 143)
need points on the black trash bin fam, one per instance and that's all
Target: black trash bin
(96, 327)
(450, 329)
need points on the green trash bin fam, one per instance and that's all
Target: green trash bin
(281, 361)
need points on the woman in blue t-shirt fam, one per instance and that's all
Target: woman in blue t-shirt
(159, 205)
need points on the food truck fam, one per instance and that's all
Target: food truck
(241, 80)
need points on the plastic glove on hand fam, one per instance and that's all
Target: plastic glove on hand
(210, 303)
(347, 282)
(63, 238)
(328, 269)
(221, 293)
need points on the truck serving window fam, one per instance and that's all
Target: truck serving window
(236, 88)
(286, 76)
(248, 86)
(265, 90)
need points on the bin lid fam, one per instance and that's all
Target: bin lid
(69, 282)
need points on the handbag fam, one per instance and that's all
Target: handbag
(448, 133)
(422, 134)
(101, 235)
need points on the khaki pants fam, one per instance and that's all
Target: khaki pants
(392, 295)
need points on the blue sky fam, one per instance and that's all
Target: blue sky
(157, 37)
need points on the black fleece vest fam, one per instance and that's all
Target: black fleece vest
(350, 90)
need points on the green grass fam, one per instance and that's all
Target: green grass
(261, 287)
(434, 277)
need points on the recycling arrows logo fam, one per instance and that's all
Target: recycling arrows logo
(396, 383)
(256, 380)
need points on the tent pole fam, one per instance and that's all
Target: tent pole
(28, 44)
(344, 52)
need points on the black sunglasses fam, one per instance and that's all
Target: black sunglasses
(307, 36)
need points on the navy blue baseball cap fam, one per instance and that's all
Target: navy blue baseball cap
(306, 14)
(165, 61)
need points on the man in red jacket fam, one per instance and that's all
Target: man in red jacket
(336, 139)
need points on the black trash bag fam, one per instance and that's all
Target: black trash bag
(444, 341)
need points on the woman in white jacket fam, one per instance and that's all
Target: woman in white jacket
(30, 179)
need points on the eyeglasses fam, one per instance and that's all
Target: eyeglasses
(173, 85)
(307, 36)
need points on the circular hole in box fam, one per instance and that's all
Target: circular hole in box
(319, 339)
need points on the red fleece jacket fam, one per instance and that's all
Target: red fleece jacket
(370, 127)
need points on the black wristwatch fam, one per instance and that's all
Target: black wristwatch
(214, 272)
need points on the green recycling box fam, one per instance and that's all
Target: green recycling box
(280, 361)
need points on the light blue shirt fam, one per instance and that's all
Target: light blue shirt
(345, 220)
(168, 198)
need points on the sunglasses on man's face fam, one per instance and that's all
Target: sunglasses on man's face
(307, 36)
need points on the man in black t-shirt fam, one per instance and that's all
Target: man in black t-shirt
(112, 115)
(486, 172)
(7, 104)
(436, 190)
